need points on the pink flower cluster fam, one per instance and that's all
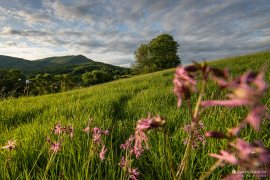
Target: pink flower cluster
(96, 136)
(184, 83)
(55, 147)
(198, 135)
(102, 153)
(248, 89)
(133, 173)
(140, 138)
(252, 157)
(59, 129)
(184, 80)
(245, 90)
(137, 143)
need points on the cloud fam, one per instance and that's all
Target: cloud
(110, 31)
(29, 17)
(8, 44)
(10, 31)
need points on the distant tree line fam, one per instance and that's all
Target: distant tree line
(16, 83)
(160, 53)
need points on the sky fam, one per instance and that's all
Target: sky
(110, 31)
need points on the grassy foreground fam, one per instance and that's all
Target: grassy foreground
(116, 106)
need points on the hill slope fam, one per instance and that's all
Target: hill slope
(15, 63)
(115, 106)
(51, 63)
(62, 60)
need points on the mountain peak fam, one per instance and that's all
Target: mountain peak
(81, 56)
(7, 62)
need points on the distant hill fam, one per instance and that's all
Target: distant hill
(7, 62)
(62, 64)
(62, 60)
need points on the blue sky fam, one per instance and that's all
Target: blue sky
(111, 30)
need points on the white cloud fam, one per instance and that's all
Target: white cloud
(110, 31)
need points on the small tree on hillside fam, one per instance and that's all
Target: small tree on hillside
(160, 53)
(95, 77)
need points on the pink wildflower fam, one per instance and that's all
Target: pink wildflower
(70, 131)
(140, 138)
(102, 153)
(230, 103)
(246, 152)
(198, 136)
(225, 156)
(234, 131)
(133, 173)
(184, 84)
(106, 132)
(150, 123)
(220, 77)
(87, 129)
(128, 143)
(54, 146)
(244, 148)
(255, 115)
(247, 156)
(10, 145)
(246, 90)
(96, 135)
(215, 134)
(58, 129)
(137, 151)
(123, 162)
(144, 124)
(96, 130)
(96, 138)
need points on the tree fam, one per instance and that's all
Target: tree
(12, 83)
(143, 60)
(67, 82)
(160, 53)
(96, 77)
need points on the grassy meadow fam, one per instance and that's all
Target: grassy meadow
(117, 106)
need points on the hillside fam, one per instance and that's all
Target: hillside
(116, 106)
(7, 62)
(51, 64)
(54, 74)
(62, 60)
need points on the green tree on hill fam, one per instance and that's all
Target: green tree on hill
(12, 83)
(95, 77)
(160, 53)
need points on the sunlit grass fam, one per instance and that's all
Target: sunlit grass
(115, 106)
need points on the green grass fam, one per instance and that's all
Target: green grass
(116, 106)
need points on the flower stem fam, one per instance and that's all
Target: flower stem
(49, 164)
(184, 165)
